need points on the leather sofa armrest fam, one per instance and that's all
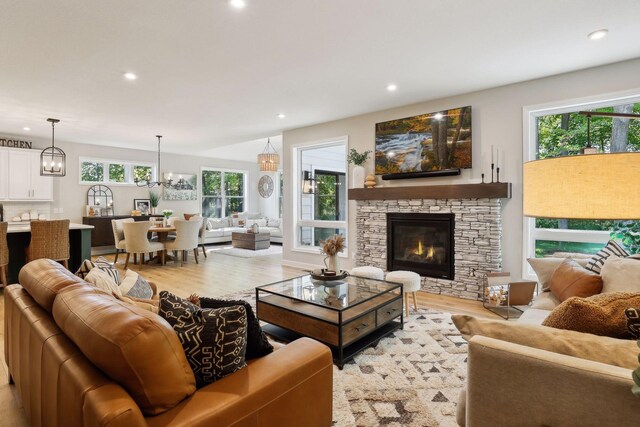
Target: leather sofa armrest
(111, 406)
(270, 391)
(511, 384)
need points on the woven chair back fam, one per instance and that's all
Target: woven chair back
(49, 239)
(4, 248)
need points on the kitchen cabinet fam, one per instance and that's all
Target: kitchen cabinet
(22, 177)
(4, 181)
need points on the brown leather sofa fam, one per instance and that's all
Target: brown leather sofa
(79, 357)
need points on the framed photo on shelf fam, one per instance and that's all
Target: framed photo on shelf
(142, 205)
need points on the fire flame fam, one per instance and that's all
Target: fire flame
(420, 251)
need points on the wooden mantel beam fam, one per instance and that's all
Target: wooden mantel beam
(501, 190)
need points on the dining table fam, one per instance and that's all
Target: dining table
(162, 232)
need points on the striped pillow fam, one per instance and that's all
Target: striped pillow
(612, 248)
(108, 268)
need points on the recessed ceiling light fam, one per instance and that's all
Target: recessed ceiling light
(437, 116)
(238, 4)
(392, 87)
(26, 128)
(281, 116)
(130, 76)
(598, 34)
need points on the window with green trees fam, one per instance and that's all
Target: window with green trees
(223, 193)
(113, 171)
(564, 135)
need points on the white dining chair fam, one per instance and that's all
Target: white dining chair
(137, 241)
(186, 239)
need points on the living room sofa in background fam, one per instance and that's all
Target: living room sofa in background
(79, 357)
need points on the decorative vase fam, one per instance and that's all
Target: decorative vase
(154, 210)
(357, 177)
(332, 264)
(165, 221)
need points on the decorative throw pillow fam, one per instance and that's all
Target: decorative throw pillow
(611, 248)
(86, 266)
(274, 222)
(602, 314)
(620, 275)
(134, 285)
(572, 280)
(633, 322)
(214, 340)
(545, 267)
(145, 304)
(108, 268)
(102, 280)
(257, 343)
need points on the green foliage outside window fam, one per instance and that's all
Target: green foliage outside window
(141, 173)
(326, 204)
(91, 172)
(116, 173)
(213, 191)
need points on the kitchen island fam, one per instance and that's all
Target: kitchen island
(19, 236)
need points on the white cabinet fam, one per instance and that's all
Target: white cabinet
(23, 177)
(4, 174)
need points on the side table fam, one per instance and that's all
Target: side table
(502, 295)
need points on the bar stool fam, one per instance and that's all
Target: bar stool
(4, 253)
(368, 272)
(50, 239)
(410, 284)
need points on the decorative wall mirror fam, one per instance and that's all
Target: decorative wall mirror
(100, 201)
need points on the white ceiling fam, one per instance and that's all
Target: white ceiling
(211, 75)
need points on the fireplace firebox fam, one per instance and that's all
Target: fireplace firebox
(421, 242)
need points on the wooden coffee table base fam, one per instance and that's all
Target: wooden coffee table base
(251, 241)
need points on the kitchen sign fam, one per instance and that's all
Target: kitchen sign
(15, 143)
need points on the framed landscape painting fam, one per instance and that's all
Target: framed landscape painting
(188, 190)
(428, 142)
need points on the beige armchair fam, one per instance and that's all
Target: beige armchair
(186, 239)
(118, 235)
(201, 232)
(137, 241)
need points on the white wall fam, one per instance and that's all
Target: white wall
(497, 120)
(70, 196)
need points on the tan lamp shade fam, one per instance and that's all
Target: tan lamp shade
(268, 162)
(594, 186)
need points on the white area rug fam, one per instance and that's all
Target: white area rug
(247, 253)
(411, 378)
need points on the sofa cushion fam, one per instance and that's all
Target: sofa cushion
(534, 316)
(620, 275)
(151, 305)
(134, 347)
(134, 285)
(607, 350)
(214, 233)
(545, 301)
(104, 281)
(44, 278)
(545, 267)
(103, 264)
(214, 339)
(257, 343)
(611, 248)
(572, 280)
(274, 222)
(260, 222)
(602, 314)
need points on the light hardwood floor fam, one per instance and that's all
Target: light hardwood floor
(217, 275)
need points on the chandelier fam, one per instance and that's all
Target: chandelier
(268, 160)
(148, 182)
(53, 161)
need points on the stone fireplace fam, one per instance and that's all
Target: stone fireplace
(476, 228)
(421, 242)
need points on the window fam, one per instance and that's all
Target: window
(223, 192)
(323, 213)
(563, 132)
(94, 171)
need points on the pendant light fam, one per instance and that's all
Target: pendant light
(182, 184)
(53, 161)
(268, 160)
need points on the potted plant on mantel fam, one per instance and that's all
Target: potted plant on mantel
(154, 200)
(358, 173)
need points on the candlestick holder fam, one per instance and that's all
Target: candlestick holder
(492, 167)
(497, 175)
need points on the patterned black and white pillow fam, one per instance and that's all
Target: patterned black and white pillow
(213, 339)
(633, 321)
(612, 248)
(257, 343)
(136, 286)
(86, 266)
(108, 268)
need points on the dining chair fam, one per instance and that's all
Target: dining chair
(202, 232)
(4, 253)
(49, 239)
(186, 239)
(118, 235)
(137, 241)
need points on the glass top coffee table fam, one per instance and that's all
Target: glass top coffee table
(348, 315)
